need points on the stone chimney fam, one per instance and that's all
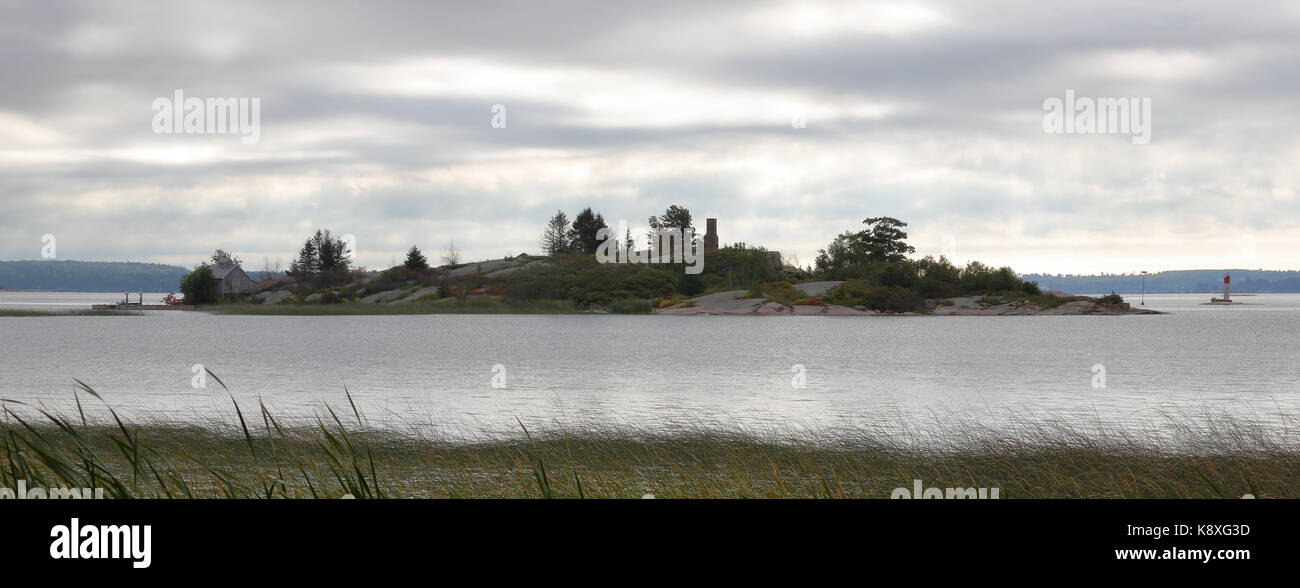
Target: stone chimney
(711, 234)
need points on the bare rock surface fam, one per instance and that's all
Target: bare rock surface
(275, 297)
(382, 297)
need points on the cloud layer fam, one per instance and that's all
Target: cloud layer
(376, 120)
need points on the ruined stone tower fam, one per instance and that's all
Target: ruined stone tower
(711, 234)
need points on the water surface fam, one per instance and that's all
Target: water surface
(916, 373)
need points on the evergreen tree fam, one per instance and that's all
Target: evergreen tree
(884, 241)
(331, 252)
(415, 259)
(322, 257)
(676, 217)
(305, 267)
(582, 235)
(555, 239)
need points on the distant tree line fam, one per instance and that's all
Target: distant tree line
(89, 276)
(1173, 282)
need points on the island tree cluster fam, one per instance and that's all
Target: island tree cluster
(562, 237)
(873, 263)
(323, 259)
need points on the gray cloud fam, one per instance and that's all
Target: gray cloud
(376, 122)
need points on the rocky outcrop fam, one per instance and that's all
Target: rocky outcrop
(275, 297)
(504, 271)
(382, 297)
(968, 306)
(416, 295)
(733, 303)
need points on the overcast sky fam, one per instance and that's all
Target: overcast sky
(376, 121)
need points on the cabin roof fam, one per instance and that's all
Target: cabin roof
(221, 270)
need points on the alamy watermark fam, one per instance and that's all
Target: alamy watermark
(1098, 116)
(49, 246)
(77, 541)
(213, 116)
(918, 491)
(200, 379)
(667, 245)
(40, 493)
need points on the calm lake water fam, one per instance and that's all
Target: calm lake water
(919, 374)
(69, 300)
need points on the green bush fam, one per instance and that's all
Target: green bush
(884, 298)
(900, 274)
(199, 286)
(1110, 299)
(401, 275)
(1050, 300)
(894, 299)
(783, 292)
(630, 306)
(585, 281)
(691, 284)
(933, 288)
(851, 293)
(732, 267)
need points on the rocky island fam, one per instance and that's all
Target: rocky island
(866, 272)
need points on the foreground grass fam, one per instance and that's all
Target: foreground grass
(469, 306)
(257, 456)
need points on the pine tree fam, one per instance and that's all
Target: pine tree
(674, 218)
(415, 259)
(331, 253)
(555, 239)
(582, 235)
(307, 265)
